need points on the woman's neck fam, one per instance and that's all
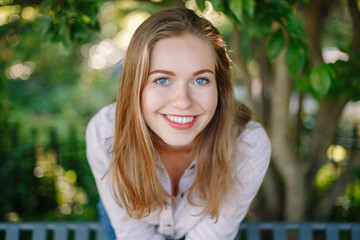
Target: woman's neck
(175, 160)
(163, 147)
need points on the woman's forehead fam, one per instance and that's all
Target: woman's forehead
(189, 50)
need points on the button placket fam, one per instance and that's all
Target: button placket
(166, 221)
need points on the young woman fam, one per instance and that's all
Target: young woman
(175, 157)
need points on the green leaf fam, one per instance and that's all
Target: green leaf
(200, 4)
(279, 9)
(331, 69)
(295, 28)
(80, 33)
(305, 1)
(44, 22)
(295, 57)
(46, 6)
(64, 33)
(236, 8)
(275, 44)
(219, 5)
(264, 25)
(249, 7)
(320, 79)
(302, 84)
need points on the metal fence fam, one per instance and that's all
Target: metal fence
(52, 230)
(299, 231)
(248, 231)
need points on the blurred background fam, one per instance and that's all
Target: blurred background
(295, 64)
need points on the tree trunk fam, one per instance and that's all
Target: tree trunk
(355, 16)
(299, 123)
(266, 80)
(290, 169)
(315, 13)
(273, 195)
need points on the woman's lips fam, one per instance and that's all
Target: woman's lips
(180, 122)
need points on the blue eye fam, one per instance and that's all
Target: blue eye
(201, 81)
(162, 81)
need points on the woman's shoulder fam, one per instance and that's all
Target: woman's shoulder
(104, 121)
(253, 152)
(99, 140)
(101, 128)
(253, 137)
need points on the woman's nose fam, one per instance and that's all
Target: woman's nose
(182, 98)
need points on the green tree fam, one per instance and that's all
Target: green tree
(286, 39)
(40, 101)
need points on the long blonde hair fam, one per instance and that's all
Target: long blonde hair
(133, 170)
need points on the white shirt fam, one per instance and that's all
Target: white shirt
(181, 218)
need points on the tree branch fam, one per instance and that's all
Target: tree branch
(315, 14)
(266, 80)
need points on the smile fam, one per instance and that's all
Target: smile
(180, 122)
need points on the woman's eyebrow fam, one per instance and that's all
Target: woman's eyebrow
(203, 71)
(173, 74)
(162, 71)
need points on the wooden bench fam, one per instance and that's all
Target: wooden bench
(248, 231)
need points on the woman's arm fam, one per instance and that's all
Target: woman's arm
(253, 159)
(98, 147)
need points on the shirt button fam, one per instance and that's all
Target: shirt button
(192, 167)
(182, 195)
(168, 225)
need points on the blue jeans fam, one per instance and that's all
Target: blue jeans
(105, 221)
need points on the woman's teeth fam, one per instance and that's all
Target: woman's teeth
(180, 120)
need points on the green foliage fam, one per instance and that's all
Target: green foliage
(275, 44)
(349, 84)
(200, 4)
(236, 7)
(68, 22)
(295, 28)
(219, 5)
(302, 84)
(233, 8)
(321, 78)
(279, 9)
(43, 115)
(295, 59)
(349, 202)
(249, 7)
(258, 22)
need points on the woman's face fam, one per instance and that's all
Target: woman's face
(180, 96)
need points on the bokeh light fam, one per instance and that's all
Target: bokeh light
(103, 55)
(29, 13)
(336, 153)
(20, 70)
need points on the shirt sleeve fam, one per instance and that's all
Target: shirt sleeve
(99, 141)
(252, 162)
